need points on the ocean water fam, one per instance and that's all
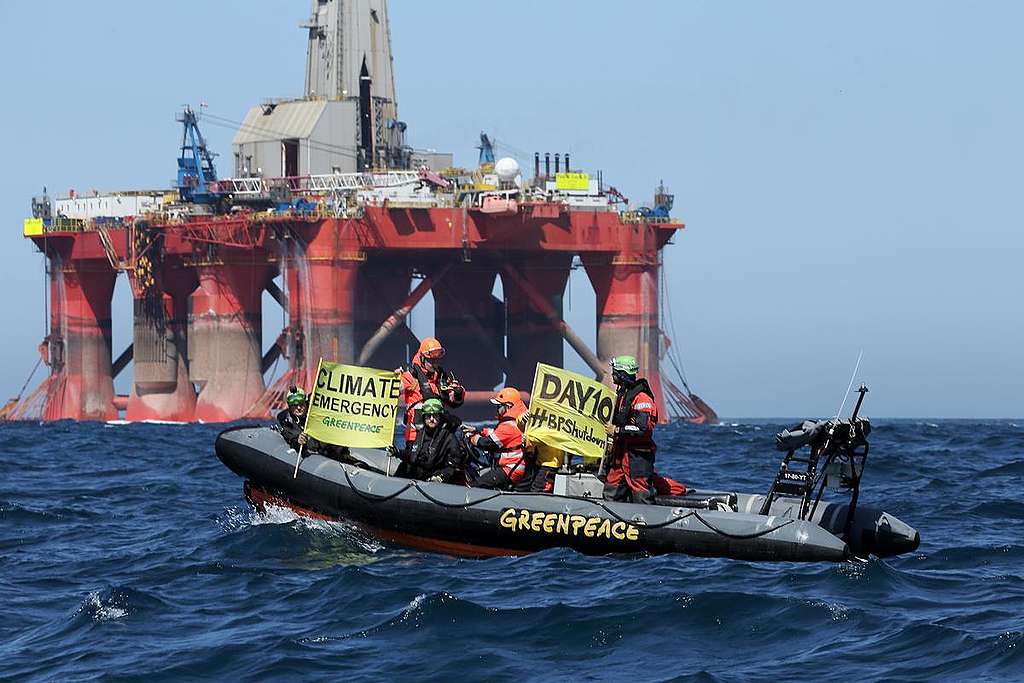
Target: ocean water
(127, 552)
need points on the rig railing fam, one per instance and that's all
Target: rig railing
(317, 184)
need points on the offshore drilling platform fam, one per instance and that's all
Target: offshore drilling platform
(327, 198)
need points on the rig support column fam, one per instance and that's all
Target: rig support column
(626, 293)
(469, 321)
(382, 289)
(532, 334)
(80, 339)
(322, 278)
(161, 389)
(225, 339)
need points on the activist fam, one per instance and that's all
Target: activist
(291, 422)
(436, 454)
(424, 378)
(548, 459)
(292, 419)
(631, 476)
(506, 440)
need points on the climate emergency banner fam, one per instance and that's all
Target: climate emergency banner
(569, 411)
(353, 406)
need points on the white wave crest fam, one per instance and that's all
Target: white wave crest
(99, 611)
(415, 605)
(839, 612)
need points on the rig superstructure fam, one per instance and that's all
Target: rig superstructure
(328, 198)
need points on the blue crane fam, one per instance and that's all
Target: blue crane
(486, 150)
(195, 165)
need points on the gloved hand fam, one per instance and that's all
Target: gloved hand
(436, 478)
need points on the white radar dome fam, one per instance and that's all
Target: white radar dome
(507, 169)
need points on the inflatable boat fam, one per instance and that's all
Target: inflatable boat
(791, 522)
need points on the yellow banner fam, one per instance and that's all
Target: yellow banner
(569, 411)
(353, 406)
(33, 227)
(572, 181)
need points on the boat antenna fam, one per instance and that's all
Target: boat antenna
(850, 386)
(835, 420)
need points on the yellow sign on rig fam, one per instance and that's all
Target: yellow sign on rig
(353, 406)
(572, 181)
(569, 411)
(33, 227)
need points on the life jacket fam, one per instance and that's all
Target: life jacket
(289, 425)
(418, 385)
(422, 386)
(420, 450)
(511, 455)
(423, 452)
(626, 407)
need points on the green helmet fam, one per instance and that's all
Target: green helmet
(626, 364)
(296, 396)
(432, 406)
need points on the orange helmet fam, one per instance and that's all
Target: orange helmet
(509, 396)
(431, 348)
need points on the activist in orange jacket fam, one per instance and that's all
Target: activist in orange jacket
(506, 441)
(631, 476)
(424, 378)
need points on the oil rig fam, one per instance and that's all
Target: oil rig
(347, 227)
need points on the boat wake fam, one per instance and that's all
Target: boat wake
(317, 533)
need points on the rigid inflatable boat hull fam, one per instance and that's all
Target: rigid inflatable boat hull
(480, 522)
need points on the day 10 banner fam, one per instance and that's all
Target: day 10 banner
(569, 411)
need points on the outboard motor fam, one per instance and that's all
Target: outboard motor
(836, 453)
(836, 459)
(838, 449)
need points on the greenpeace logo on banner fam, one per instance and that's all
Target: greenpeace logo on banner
(351, 426)
(353, 406)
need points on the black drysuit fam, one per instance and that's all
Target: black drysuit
(290, 427)
(435, 453)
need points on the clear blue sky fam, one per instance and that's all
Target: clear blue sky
(850, 176)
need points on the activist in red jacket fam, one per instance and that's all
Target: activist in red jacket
(506, 440)
(631, 476)
(423, 379)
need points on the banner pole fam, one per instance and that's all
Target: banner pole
(298, 459)
(305, 420)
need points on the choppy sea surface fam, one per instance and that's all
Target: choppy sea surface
(127, 552)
